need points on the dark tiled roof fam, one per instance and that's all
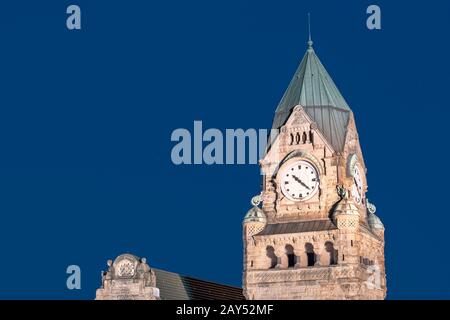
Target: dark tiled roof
(173, 286)
(297, 227)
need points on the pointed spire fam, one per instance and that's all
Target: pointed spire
(310, 42)
(313, 88)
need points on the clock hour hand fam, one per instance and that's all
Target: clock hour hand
(300, 181)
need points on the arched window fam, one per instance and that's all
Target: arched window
(311, 137)
(311, 256)
(304, 137)
(290, 256)
(329, 249)
(272, 257)
(297, 138)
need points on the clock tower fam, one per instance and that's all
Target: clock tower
(312, 233)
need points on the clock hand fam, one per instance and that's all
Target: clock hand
(296, 179)
(300, 181)
(305, 185)
(358, 188)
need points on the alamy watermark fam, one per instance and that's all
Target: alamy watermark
(74, 279)
(73, 21)
(373, 277)
(374, 20)
(213, 146)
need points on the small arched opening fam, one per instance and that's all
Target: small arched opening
(311, 137)
(310, 255)
(304, 138)
(291, 259)
(297, 138)
(270, 251)
(331, 253)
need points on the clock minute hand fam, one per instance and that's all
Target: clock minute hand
(296, 179)
(300, 181)
(305, 185)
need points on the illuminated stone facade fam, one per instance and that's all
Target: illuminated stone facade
(312, 234)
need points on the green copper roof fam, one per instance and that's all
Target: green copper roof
(313, 88)
(255, 214)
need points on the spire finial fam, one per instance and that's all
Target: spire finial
(310, 42)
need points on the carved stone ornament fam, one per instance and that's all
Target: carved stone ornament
(256, 200)
(125, 266)
(371, 207)
(299, 119)
(341, 191)
(351, 164)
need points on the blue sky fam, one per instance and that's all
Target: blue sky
(86, 118)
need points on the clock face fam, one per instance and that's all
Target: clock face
(299, 181)
(125, 268)
(357, 188)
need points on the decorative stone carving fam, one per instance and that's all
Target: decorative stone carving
(128, 278)
(299, 119)
(125, 268)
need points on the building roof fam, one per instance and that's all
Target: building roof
(313, 88)
(374, 221)
(297, 227)
(173, 286)
(345, 206)
(255, 214)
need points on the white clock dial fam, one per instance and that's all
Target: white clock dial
(357, 188)
(356, 195)
(299, 181)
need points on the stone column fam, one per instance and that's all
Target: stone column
(300, 256)
(281, 258)
(318, 251)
